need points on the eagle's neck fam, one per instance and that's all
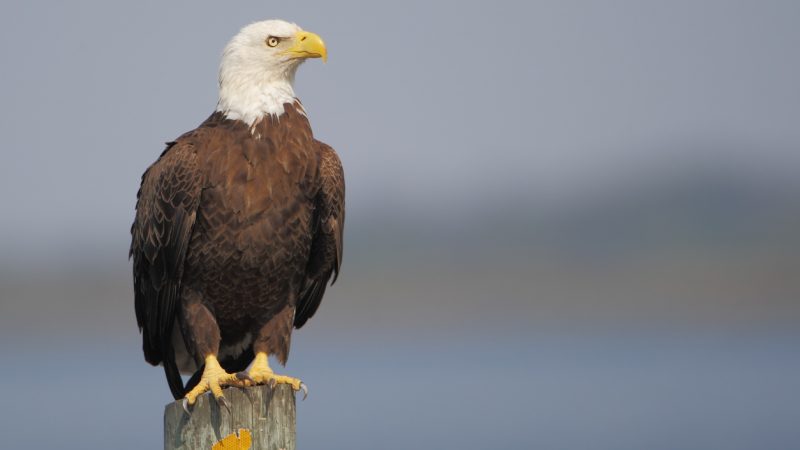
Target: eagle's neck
(250, 98)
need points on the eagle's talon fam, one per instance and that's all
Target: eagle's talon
(185, 404)
(244, 379)
(304, 388)
(223, 402)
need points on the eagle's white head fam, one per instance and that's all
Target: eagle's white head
(258, 67)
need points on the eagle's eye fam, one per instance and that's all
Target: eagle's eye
(272, 41)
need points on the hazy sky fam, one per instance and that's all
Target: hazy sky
(433, 107)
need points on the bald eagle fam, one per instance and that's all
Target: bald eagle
(238, 226)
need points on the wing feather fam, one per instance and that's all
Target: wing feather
(326, 247)
(166, 209)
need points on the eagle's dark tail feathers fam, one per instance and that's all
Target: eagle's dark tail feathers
(171, 369)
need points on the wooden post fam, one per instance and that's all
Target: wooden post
(267, 414)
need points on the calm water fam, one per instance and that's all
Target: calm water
(630, 389)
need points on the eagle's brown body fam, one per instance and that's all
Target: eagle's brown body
(237, 232)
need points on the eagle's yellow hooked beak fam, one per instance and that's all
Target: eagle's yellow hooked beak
(308, 45)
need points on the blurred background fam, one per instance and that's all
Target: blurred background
(571, 225)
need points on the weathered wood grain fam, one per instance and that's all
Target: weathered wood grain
(268, 413)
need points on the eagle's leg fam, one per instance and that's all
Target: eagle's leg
(273, 339)
(261, 373)
(201, 333)
(214, 378)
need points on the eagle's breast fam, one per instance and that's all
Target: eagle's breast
(251, 241)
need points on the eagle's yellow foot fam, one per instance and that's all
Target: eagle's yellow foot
(261, 373)
(213, 379)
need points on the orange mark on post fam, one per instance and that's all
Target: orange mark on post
(234, 442)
